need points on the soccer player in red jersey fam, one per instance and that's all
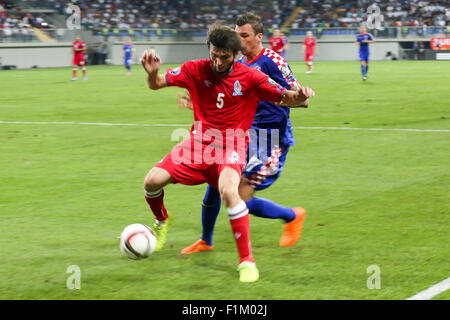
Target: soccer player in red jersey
(225, 96)
(277, 42)
(78, 48)
(309, 49)
(265, 164)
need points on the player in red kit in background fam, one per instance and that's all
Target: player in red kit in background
(78, 48)
(277, 42)
(309, 49)
(225, 95)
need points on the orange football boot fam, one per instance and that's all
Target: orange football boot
(198, 246)
(293, 230)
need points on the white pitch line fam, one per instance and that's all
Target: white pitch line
(187, 125)
(432, 291)
(99, 124)
(373, 129)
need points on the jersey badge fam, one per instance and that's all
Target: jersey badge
(237, 89)
(175, 72)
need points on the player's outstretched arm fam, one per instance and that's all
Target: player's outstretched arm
(297, 98)
(151, 63)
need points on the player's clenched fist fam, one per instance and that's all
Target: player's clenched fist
(306, 92)
(298, 98)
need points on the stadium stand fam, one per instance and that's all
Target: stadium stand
(187, 18)
(17, 25)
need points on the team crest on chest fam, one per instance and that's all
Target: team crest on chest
(237, 89)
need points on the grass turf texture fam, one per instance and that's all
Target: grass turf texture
(372, 197)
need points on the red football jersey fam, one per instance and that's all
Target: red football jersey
(276, 44)
(224, 103)
(78, 45)
(310, 43)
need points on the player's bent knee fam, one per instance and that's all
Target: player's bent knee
(230, 196)
(156, 179)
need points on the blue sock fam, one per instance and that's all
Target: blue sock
(210, 211)
(367, 68)
(363, 70)
(265, 208)
(128, 67)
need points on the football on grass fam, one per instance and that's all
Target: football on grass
(137, 241)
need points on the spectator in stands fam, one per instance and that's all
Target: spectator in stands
(199, 14)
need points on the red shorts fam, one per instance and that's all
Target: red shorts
(78, 61)
(192, 162)
(309, 56)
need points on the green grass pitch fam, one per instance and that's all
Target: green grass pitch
(373, 197)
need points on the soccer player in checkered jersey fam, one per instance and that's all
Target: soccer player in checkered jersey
(265, 162)
(225, 97)
(309, 49)
(78, 49)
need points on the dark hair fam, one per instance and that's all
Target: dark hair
(223, 37)
(252, 19)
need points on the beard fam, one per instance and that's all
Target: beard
(223, 73)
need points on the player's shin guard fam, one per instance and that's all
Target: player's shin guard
(265, 208)
(210, 211)
(156, 202)
(240, 226)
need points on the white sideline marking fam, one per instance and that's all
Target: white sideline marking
(188, 125)
(99, 124)
(432, 291)
(373, 129)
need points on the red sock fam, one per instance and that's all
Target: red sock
(240, 225)
(74, 73)
(156, 203)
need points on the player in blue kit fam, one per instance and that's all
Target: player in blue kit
(128, 55)
(271, 138)
(363, 39)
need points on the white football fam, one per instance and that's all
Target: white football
(137, 241)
